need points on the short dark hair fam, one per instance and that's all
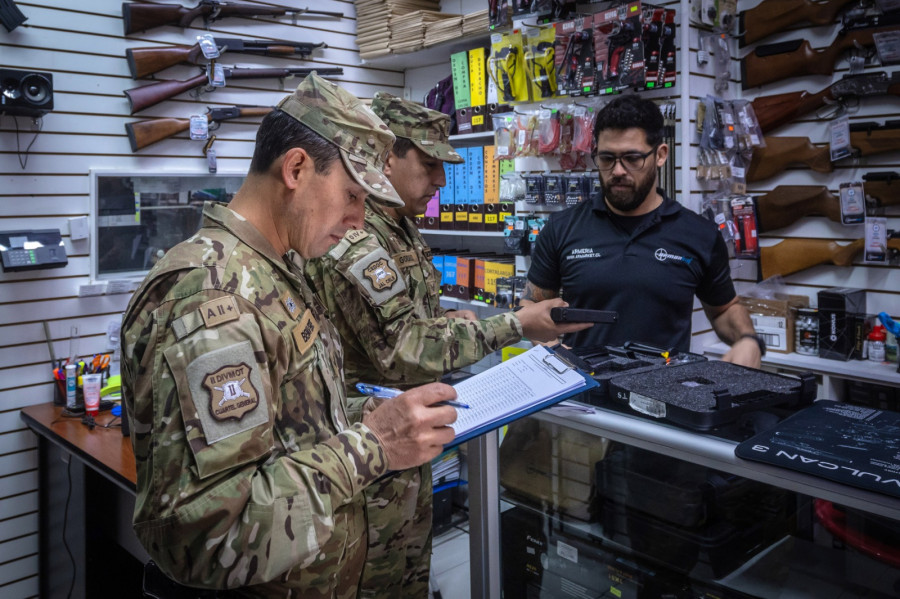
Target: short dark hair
(402, 146)
(280, 132)
(630, 111)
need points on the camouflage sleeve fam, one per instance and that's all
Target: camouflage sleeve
(239, 480)
(378, 314)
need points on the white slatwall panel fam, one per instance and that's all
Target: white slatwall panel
(82, 45)
(881, 282)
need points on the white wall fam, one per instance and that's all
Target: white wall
(82, 45)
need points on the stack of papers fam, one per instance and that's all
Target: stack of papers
(445, 468)
(408, 31)
(443, 30)
(376, 20)
(476, 22)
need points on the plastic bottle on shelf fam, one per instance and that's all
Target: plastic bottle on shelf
(876, 344)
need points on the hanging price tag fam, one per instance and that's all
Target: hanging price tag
(199, 127)
(216, 75)
(876, 240)
(853, 203)
(208, 46)
(840, 138)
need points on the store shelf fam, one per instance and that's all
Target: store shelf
(718, 454)
(474, 303)
(461, 233)
(472, 139)
(430, 56)
(858, 370)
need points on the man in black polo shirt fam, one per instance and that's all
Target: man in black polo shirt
(638, 252)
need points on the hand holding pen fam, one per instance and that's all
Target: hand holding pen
(388, 392)
(413, 427)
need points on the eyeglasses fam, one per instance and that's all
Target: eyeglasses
(631, 161)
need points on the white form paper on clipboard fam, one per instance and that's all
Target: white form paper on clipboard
(513, 389)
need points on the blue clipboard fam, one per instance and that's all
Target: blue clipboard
(589, 381)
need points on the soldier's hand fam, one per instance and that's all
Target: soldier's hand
(411, 428)
(538, 326)
(464, 314)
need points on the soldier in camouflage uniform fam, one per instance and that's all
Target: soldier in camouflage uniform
(381, 290)
(250, 474)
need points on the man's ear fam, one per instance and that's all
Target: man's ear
(661, 154)
(389, 163)
(295, 164)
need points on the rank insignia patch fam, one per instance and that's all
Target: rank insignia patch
(381, 275)
(231, 393)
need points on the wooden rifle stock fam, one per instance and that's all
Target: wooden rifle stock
(786, 204)
(772, 16)
(800, 58)
(794, 255)
(143, 62)
(150, 95)
(781, 152)
(884, 192)
(138, 16)
(774, 111)
(875, 141)
(144, 133)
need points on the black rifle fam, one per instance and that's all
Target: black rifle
(146, 61)
(143, 133)
(775, 62)
(150, 95)
(10, 15)
(140, 17)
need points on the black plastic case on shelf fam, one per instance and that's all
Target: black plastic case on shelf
(705, 395)
(692, 518)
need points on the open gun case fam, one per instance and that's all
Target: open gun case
(685, 388)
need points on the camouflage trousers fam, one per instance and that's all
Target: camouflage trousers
(398, 561)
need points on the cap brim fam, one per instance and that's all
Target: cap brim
(440, 150)
(372, 179)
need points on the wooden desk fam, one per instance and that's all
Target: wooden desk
(87, 484)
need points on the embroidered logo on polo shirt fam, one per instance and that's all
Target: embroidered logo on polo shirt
(380, 274)
(580, 253)
(662, 255)
(231, 393)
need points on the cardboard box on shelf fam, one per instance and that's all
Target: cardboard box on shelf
(774, 319)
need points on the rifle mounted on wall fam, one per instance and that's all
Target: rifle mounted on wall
(145, 61)
(780, 109)
(138, 16)
(775, 62)
(144, 133)
(150, 95)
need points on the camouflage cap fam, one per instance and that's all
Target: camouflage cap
(362, 138)
(428, 129)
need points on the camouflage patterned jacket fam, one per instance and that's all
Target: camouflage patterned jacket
(381, 291)
(248, 470)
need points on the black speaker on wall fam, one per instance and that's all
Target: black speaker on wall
(25, 93)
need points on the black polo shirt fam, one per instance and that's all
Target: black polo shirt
(650, 276)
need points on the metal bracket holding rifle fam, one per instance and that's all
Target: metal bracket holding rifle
(775, 62)
(10, 15)
(866, 139)
(138, 16)
(144, 133)
(794, 255)
(786, 204)
(146, 61)
(150, 95)
(780, 109)
(771, 16)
